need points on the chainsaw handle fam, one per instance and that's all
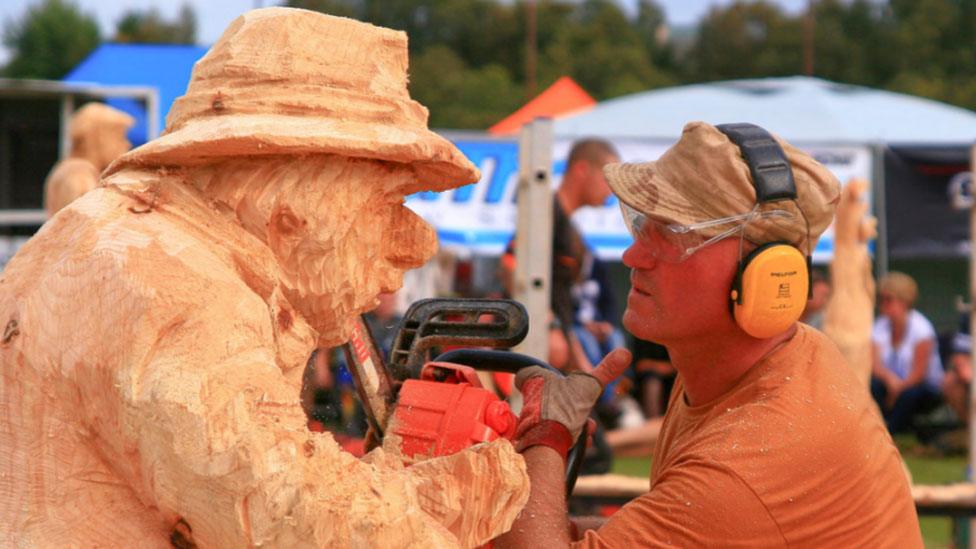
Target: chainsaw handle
(440, 322)
(491, 360)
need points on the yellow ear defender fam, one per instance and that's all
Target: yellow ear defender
(772, 284)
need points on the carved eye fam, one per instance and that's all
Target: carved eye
(285, 222)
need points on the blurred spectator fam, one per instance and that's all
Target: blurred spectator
(960, 372)
(383, 322)
(907, 373)
(813, 314)
(580, 298)
(654, 376)
(330, 402)
(328, 391)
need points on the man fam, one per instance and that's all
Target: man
(97, 138)
(767, 441)
(579, 296)
(959, 376)
(155, 331)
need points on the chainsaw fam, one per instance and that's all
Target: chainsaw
(439, 406)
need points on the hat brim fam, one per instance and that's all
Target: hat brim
(439, 165)
(642, 187)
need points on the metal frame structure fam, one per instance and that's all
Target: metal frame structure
(68, 92)
(533, 233)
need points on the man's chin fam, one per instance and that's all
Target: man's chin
(639, 326)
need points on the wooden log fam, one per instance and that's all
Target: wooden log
(156, 330)
(849, 315)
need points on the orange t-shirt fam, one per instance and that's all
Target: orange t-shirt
(794, 454)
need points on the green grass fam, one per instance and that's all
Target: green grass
(936, 531)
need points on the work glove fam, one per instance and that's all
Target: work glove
(555, 408)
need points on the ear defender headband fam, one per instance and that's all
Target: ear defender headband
(772, 284)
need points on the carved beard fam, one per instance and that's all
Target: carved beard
(326, 292)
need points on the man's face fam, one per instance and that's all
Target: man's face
(597, 189)
(670, 302)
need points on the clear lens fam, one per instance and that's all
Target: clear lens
(667, 242)
(674, 243)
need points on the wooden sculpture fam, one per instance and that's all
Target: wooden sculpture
(97, 138)
(155, 331)
(850, 310)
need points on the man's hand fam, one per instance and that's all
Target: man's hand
(556, 408)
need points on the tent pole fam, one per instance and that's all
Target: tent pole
(533, 234)
(878, 190)
(972, 325)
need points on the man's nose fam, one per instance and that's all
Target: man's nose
(637, 256)
(411, 240)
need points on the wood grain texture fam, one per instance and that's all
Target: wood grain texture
(156, 330)
(849, 314)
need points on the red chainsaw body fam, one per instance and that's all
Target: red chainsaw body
(444, 416)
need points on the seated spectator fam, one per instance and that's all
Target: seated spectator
(813, 314)
(907, 374)
(959, 375)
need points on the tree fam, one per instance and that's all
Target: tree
(853, 42)
(459, 96)
(616, 59)
(747, 40)
(149, 27)
(49, 40)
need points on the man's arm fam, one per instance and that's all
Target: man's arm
(543, 522)
(878, 369)
(920, 364)
(555, 411)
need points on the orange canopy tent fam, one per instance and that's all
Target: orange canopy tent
(563, 97)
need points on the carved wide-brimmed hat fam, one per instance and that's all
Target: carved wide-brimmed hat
(284, 81)
(94, 117)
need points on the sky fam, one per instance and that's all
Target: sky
(213, 16)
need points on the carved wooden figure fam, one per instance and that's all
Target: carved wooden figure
(97, 138)
(850, 311)
(155, 331)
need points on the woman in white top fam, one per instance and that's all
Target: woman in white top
(906, 377)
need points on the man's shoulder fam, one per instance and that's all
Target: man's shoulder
(921, 324)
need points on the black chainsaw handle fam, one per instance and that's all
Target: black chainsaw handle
(491, 360)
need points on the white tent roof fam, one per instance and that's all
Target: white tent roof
(800, 109)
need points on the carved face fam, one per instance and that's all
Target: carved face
(337, 226)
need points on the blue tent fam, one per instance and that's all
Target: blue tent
(164, 67)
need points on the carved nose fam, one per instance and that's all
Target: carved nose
(411, 240)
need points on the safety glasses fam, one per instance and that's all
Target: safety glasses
(674, 243)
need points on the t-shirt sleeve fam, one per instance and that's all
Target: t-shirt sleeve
(698, 505)
(877, 332)
(923, 328)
